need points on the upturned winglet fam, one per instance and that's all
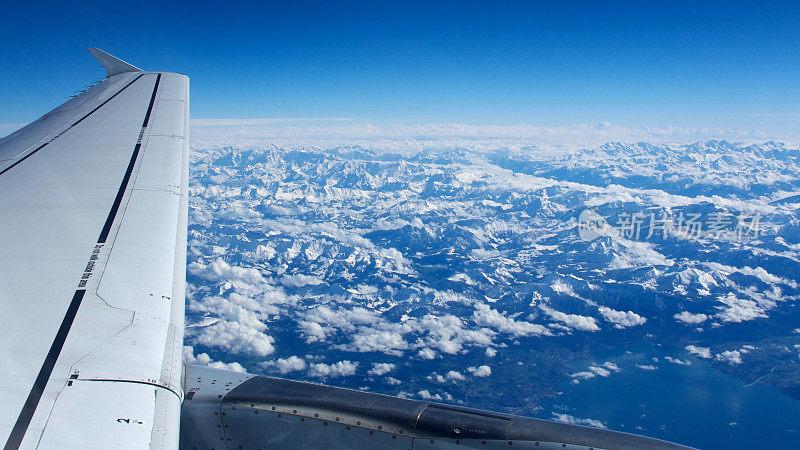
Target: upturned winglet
(113, 65)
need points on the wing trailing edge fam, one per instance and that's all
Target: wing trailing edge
(113, 65)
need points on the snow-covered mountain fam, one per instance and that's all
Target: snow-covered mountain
(462, 276)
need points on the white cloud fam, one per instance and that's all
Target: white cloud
(456, 376)
(426, 395)
(233, 367)
(448, 334)
(486, 316)
(385, 341)
(238, 211)
(700, 352)
(566, 418)
(584, 375)
(600, 371)
(678, 361)
(319, 323)
(690, 318)
(235, 337)
(312, 331)
(219, 270)
(480, 371)
(343, 318)
(729, 356)
(490, 352)
(339, 369)
(621, 319)
(646, 367)
(738, 309)
(427, 353)
(381, 369)
(436, 378)
(367, 331)
(204, 360)
(575, 321)
(758, 272)
(393, 381)
(562, 287)
(236, 308)
(286, 365)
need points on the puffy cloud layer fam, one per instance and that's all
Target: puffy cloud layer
(367, 331)
(690, 318)
(425, 394)
(678, 361)
(457, 376)
(486, 316)
(729, 356)
(572, 420)
(338, 369)
(204, 360)
(575, 321)
(737, 309)
(385, 341)
(286, 365)
(597, 370)
(700, 352)
(235, 338)
(381, 369)
(426, 353)
(219, 270)
(433, 257)
(480, 371)
(757, 272)
(621, 319)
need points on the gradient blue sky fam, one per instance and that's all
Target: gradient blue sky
(718, 64)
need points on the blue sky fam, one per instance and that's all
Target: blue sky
(698, 64)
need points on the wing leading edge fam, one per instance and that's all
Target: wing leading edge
(92, 245)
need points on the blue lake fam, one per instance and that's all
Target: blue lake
(694, 405)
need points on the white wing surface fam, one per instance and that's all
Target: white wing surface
(93, 214)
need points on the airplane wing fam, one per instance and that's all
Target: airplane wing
(93, 217)
(93, 214)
